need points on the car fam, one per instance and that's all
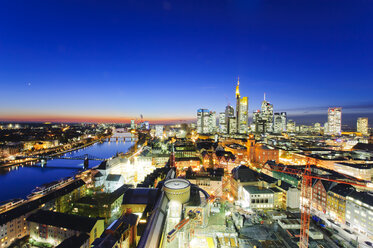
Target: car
(347, 230)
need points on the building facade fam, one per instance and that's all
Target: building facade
(334, 121)
(336, 202)
(267, 115)
(222, 123)
(359, 212)
(256, 197)
(159, 131)
(242, 110)
(362, 126)
(320, 190)
(53, 227)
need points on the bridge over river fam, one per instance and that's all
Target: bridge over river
(20, 180)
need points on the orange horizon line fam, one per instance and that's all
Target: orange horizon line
(89, 119)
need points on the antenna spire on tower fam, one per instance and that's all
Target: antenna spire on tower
(238, 87)
(264, 96)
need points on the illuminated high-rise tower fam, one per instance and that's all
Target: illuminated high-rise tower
(362, 126)
(267, 115)
(334, 121)
(206, 121)
(229, 112)
(203, 121)
(277, 123)
(243, 118)
(238, 104)
(242, 109)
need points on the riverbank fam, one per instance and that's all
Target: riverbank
(29, 160)
(23, 179)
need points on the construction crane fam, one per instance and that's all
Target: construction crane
(306, 194)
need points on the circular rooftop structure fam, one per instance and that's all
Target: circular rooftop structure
(177, 189)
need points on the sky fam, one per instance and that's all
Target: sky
(115, 60)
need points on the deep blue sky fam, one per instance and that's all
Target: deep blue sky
(166, 59)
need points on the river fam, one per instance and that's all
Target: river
(18, 181)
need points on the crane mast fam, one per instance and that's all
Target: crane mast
(306, 194)
(306, 189)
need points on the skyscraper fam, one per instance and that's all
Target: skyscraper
(277, 123)
(237, 104)
(267, 115)
(229, 112)
(284, 121)
(243, 118)
(257, 122)
(222, 123)
(242, 109)
(206, 121)
(334, 121)
(232, 125)
(202, 120)
(212, 122)
(362, 126)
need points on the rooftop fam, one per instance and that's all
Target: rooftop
(74, 241)
(140, 196)
(364, 197)
(257, 190)
(32, 205)
(69, 221)
(113, 233)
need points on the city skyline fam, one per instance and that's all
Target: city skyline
(186, 123)
(164, 60)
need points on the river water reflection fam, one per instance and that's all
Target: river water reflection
(18, 181)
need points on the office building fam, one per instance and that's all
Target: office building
(212, 122)
(232, 125)
(362, 126)
(242, 109)
(258, 125)
(243, 118)
(206, 121)
(133, 125)
(283, 120)
(334, 121)
(277, 123)
(229, 112)
(202, 120)
(222, 123)
(267, 115)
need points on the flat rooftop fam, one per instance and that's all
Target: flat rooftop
(257, 190)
